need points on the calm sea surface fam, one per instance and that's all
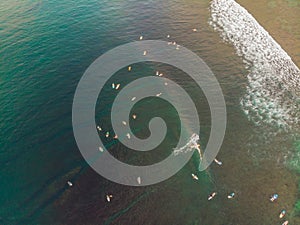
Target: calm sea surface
(45, 47)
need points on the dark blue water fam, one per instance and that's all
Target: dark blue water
(45, 47)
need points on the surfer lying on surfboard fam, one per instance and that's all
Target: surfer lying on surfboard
(211, 196)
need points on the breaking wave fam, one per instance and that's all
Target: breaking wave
(273, 91)
(191, 145)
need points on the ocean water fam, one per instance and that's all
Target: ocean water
(46, 46)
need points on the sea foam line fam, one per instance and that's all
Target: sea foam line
(273, 92)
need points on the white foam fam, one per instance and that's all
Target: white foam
(273, 91)
(191, 145)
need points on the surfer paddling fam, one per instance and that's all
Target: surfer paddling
(69, 183)
(282, 214)
(274, 197)
(195, 177)
(211, 196)
(108, 198)
(231, 195)
(218, 162)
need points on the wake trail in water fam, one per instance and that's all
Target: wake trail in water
(273, 91)
(189, 146)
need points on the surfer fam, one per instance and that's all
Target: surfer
(115, 86)
(211, 196)
(218, 162)
(231, 195)
(108, 198)
(274, 197)
(282, 214)
(195, 177)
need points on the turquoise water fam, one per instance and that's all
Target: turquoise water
(46, 47)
